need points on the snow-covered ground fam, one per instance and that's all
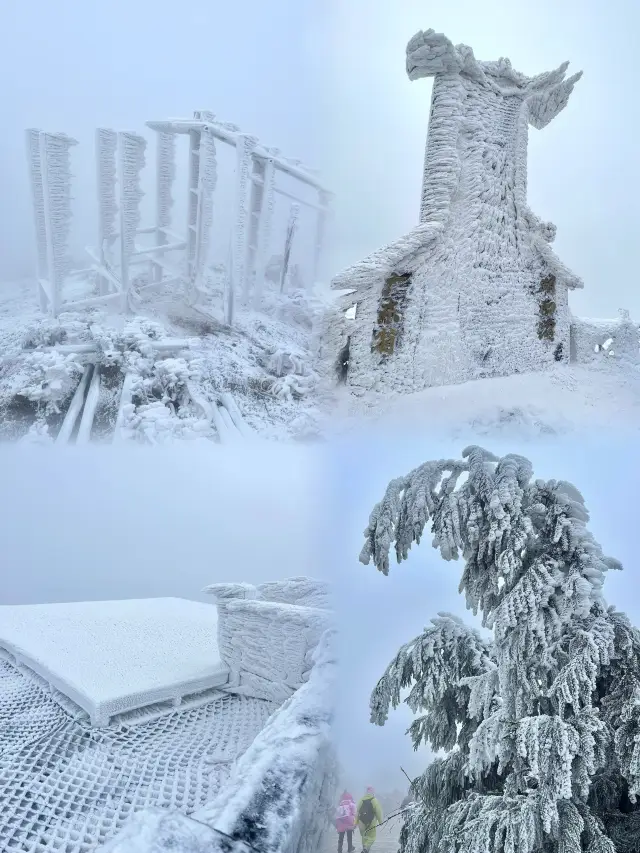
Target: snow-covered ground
(566, 399)
(259, 372)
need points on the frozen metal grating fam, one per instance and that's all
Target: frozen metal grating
(67, 787)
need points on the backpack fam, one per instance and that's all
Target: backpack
(343, 812)
(367, 813)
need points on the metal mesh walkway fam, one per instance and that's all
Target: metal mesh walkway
(66, 787)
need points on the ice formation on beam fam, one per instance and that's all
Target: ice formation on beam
(106, 149)
(325, 199)
(56, 183)
(132, 160)
(265, 222)
(165, 176)
(475, 289)
(292, 226)
(206, 185)
(37, 194)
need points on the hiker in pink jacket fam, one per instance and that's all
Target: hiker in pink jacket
(346, 821)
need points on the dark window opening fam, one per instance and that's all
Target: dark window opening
(547, 309)
(388, 330)
(342, 364)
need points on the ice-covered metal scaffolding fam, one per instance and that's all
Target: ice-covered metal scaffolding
(120, 159)
(257, 168)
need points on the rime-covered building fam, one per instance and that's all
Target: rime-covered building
(475, 289)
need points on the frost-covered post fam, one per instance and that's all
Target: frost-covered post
(106, 167)
(539, 721)
(56, 190)
(245, 144)
(165, 176)
(292, 226)
(37, 198)
(324, 201)
(131, 162)
(260, 215)
(265, 222)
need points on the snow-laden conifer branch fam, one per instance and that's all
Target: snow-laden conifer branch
(436, 665)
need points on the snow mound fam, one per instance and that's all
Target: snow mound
(530, 405)
(110, 657)
(264, 362)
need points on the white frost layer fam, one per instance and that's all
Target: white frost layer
(115, 656)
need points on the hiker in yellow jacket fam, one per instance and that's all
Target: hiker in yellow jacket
(369, 816)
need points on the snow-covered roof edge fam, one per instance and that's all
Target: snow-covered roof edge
(281, 788)
(384, 261)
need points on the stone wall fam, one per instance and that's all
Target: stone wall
(266, 638)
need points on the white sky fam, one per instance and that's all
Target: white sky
(75, 65)
(583, 167)
(107, 523)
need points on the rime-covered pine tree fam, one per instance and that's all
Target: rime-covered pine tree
(540, 721)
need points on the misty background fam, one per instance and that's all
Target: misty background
(325, 82)
(377, 614)
(583, 167)
(101, 523)
(74, 66)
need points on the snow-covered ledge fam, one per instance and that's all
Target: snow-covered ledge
(279, 794)
(249, 625)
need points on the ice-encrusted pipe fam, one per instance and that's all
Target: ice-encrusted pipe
(106, 148)
(56, 181)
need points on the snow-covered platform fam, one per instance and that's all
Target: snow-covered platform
(113, 657)
(189, 725)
